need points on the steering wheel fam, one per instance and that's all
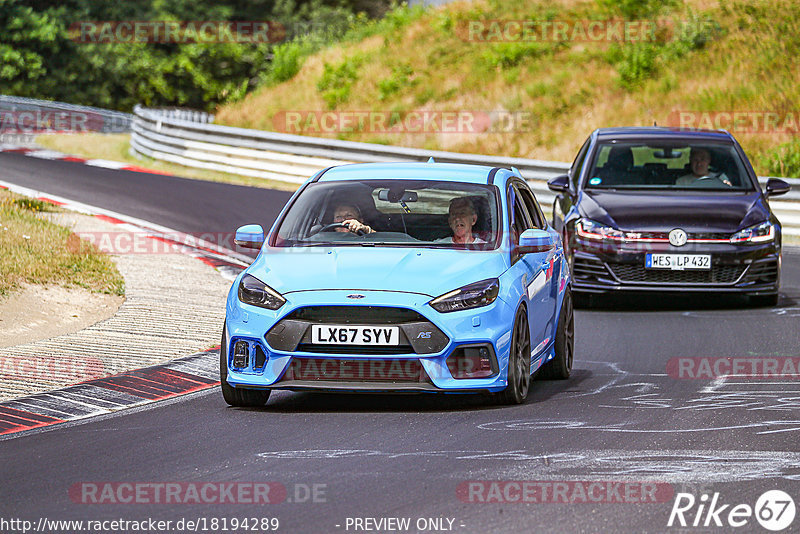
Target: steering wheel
(333, 226)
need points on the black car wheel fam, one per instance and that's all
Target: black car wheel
(560, 367)
(519, 363)
(238, 397)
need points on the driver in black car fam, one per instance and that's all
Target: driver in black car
(699, 161)
(350, 217)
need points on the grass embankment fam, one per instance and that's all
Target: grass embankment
(711, 57)
(115, 147)
(36, 251)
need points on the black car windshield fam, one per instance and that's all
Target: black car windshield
(392, 213)
(678, 165)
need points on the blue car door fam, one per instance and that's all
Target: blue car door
(536, 271)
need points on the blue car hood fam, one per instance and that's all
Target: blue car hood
(427, 271)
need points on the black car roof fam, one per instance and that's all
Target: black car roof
(645, 133)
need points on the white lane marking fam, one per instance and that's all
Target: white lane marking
(106, 164)
(685, 465)
(46, 154)
(623, 427)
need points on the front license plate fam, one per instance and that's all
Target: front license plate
(355, 335)
(678, 262)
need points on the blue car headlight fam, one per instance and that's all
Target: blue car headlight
(254, 291)
(470, 296)
(759, 233)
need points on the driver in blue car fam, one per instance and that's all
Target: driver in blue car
(699, 161)
(350, 217)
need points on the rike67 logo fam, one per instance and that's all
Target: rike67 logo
(774, 510)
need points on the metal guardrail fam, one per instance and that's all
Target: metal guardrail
(46, 115)
(193, 141)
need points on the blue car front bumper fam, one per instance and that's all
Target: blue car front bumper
(280, 357)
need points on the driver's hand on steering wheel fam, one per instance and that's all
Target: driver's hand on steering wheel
(357, 227)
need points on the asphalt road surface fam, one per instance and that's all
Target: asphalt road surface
(615, 445)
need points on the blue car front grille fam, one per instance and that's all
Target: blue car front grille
(417, 334)
(356, 315)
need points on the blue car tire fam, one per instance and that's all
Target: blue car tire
(519, 362)
(560, 367)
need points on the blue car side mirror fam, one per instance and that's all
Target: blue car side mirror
(249, 236)
(535, 240)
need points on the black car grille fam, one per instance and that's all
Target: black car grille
(762, 272)
(588, 268)
(695, 235)
(635, 273)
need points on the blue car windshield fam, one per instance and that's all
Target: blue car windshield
(389, 212)
(674, 165)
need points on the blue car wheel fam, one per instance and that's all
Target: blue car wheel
(560, 367)
(519, 362)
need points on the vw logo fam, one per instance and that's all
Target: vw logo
(677, 237)
(355, 296)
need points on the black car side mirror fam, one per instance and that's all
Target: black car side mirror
(559, 184)
(777, 187)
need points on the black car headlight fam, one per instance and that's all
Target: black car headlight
(254, 291)
(759, 233)
(471, 296)
(590, 229)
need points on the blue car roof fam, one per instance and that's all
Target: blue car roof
(447, 172)
(659, 132)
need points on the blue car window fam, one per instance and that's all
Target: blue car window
(393, 213)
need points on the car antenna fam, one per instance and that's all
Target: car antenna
(431, 160)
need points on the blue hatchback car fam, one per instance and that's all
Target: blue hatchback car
(390, 277)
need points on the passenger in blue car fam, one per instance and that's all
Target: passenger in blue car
(461, 217)
(350, 217)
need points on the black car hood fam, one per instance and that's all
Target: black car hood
(665, 210)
